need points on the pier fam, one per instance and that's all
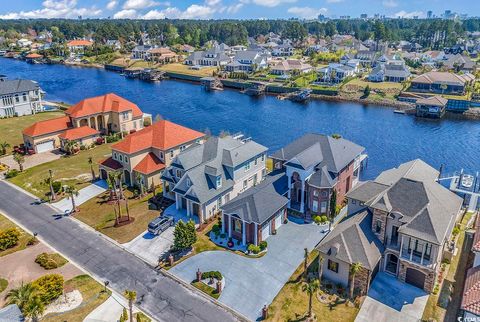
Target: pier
(465, 185)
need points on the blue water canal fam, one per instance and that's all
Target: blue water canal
(389, 138)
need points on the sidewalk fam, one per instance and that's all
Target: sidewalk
(84, 195)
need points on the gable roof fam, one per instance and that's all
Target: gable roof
(48, 126)
(315, 149)
(11, 313)
(103, 104)
(471, 291)
(149, 164)
(77, 133)
(433, 101)
(353, 241)
(79, 42)
(161, 135)
(12, 86)
(259, 203)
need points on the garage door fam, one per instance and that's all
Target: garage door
(266, 231)
(45, 146)
(278, 220)
(415, 278)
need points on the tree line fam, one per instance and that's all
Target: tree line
(433, 33)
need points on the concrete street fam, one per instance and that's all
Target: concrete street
(390, 300)
(251, 283)
(158, 295)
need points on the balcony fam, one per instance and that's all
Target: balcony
(416, 257)
(358, 161)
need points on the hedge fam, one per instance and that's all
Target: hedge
(9, 238)
(212, 274)
(50, 261)
(49, 287)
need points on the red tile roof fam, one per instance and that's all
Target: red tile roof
(77, 133)
(103, 104)
(33, 56)
(476, 238)
(110, 163)
(149, 164)
(72, 43)
(48, 126)
(162, 135)
(471, 291)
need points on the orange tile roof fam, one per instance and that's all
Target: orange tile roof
(162, 135)
(33, 56)
(80, 42)
(77, 133)
(471, 291)
(149, 164)
(103, 104)
(48, 126)
(110, 163)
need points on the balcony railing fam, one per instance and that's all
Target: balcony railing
(416, 257)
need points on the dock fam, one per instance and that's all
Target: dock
(211, 83)
(466, 186)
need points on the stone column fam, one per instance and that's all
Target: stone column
(289, 190)
(302, 198)
(256, 234)
(177, 201)
(229, 226)
(223, 223)
(244, 233)
(188, 208)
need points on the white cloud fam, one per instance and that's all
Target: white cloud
(270, 3)
(55, 9)
(192, 12)
(405, 14)
(234, 8)
(112, 4)
(334, 1)
(126, 14)
(139, 4)
(390, 3)
(306, 12)
(212, 3)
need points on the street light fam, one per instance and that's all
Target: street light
(106, 284)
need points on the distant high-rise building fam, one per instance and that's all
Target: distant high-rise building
(363, 16)
(322, 18)
(429, 14)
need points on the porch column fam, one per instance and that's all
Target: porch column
(423, 252)
(88, 122)
(244, 233)
(223, 223)
(302, 197)
(188, 208)
(229, 226)
(289, 189)
(256, 234)
(401, 246)
(177, 201)
(411, 250)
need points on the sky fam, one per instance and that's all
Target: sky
(229, 9)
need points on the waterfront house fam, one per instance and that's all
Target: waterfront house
(24, 43)
(318, 166)
(214, 56)
(291, 66)
(257, 213)
(431, 107)
(412, 216)
(143, 155)
(205, 176)
(78, 46)
(114, 44)
(366, 57)
(106, 114)
(389, 73)
(335, 73)
(162, 55)
(19, 97)
(442, 83)
(141, 52)
(247, 61)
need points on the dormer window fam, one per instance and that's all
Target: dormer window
(179, 173)
(189, 183)
(247, 166)
(219, 182)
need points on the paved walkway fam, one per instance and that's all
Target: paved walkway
(110, 310)
(31, 160)
(390, 300)
(252, 283)
(150, 247)
(85, 194)
(161, 296)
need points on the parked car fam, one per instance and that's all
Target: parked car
(160, 224)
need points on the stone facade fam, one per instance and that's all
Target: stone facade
(362, 280)
(379, 217)
(430, 274)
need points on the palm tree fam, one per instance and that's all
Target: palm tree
(354, 269)
(131, 296)
(34, 308)
(50, 182)
(305, 263)
(90, 161)
(310, 288)
(320, 267)
(3, 147)
(140, 183)
(21, 296)
(111, 185)
(72, 192)
(20, 159)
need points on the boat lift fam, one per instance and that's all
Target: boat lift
(464, 185)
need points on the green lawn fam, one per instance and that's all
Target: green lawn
(11, 128)
(291, 303)
(69, 170)
(98, 214)
(184, 69)
(305, 80)
(24, 237)
(3, 284)
(206, 289)
(92, 294)
(375, 85)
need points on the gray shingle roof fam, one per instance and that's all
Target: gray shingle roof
(366, 191)
(259, 203)
(322, 178)
(320, 149)
(11, 313)
(17, 86)
(353, 241)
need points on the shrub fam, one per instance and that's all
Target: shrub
(50, 261)
(212, 274)
(455, 231)
(32, 241)
(253, 249)
(446, 261)
(9, 238)
(317, 219)
(223, 235)
(216, 230)
(83, 147)
(11, 173)
(49, 287)
(99, 141)
(184, 235)
(263, 245)
(324, 219)
(57, 186)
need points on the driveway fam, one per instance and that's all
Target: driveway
(251, 283)
(84, 195)
(32, 160)
(392, 300)
(150, 247)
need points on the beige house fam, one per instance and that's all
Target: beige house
(142, 156)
